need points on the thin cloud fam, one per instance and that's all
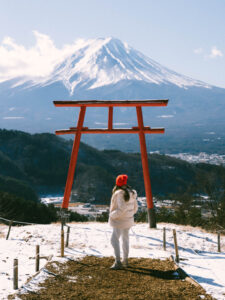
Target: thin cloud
(100, 123)
(13, 118)
(215, 53)
(165, 116)
(198, 51)
(120, 124)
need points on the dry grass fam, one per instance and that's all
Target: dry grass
(91, 278)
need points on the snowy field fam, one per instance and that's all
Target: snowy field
(197, 250)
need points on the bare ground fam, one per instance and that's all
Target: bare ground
(91, 278)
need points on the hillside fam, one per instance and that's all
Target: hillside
(40, 161)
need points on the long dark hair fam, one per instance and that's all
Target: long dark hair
(126, 189)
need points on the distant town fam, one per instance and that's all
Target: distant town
(202, 157)
(92, 211)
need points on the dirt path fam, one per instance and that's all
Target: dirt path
(91, 278)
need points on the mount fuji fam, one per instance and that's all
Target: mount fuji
(108, 68)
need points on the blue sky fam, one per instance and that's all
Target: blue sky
(187, 36)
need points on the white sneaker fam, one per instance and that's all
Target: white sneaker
(125, 262)
(117, 265)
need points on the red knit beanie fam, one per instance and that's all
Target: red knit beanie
(121, 180)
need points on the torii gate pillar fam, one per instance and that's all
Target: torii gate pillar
(145, 167)
(141, 130)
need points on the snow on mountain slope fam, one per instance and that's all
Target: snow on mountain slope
(106, 61)
(100, 62)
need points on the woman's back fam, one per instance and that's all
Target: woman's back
(122, 211)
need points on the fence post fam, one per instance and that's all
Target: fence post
(175, 245)
(218, 239)
(67, 236)
(164, 238)
(15, 274)
(37, 258)
(62, 242)
(10, 225)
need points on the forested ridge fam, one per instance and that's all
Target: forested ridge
(40, 162)
(34, 164)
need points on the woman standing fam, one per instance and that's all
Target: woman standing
(121, 217)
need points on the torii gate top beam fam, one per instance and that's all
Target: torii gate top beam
(108, 103)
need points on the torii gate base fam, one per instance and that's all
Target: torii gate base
(141, 130)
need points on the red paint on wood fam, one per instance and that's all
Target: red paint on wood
(110, 131)
(110, 118)
(144, 159)
(111, 103)
(73, 159)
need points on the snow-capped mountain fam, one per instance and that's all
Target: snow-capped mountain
(107, 69)
(101, 62)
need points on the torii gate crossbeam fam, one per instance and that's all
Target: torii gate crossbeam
(141, 130)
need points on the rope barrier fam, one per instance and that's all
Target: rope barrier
(19, 222)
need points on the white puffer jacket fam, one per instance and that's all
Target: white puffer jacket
(121, 213)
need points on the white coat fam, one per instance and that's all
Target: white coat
(121, 212)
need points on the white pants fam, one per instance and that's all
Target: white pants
(124, 233)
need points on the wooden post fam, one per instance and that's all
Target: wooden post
(62, 242)
(175, 245)
(37, 258)
(67, 236)
(164, 238)
(10, 225)
(218, 239)
(15, 274)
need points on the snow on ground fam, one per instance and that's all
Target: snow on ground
(197, 250)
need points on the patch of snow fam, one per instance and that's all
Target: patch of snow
(51, 200)
(72, 278)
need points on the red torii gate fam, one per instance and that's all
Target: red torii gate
(141, 130)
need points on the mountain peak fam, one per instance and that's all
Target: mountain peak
(104, 61)
(95, 63)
